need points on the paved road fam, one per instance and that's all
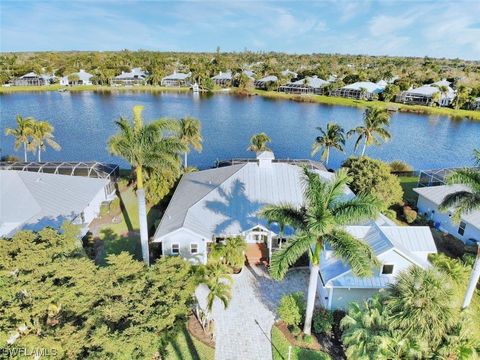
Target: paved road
(243, 329)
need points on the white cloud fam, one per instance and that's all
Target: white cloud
(385, 24)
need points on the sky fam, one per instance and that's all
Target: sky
(436, 28)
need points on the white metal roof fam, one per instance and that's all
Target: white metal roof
(269, 78)
(312, 81)
(436, 194)
(223, 76)
(371, 87)
(30, 197)
(177, 76)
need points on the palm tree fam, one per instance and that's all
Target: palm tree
(320, 221)
(42, 135)
(464, 202)
(215, 277)
(258, 142)
(333, 137)
(146, 146)
(373, 130)
(190, 135)
(22, 133)
(420, 304)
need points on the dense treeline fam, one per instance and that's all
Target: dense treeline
(349, 68)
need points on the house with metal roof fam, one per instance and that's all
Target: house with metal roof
(34, 200)
(177, 79)
(212, 205)
(32, 79)
(135, 77)
(366, 90)
(430, 198)
(289, 74)
(266, 82)
(308, 85)
(79, 78)
(223, 78)
(425, 95)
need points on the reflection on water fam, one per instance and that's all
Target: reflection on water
(84, 120)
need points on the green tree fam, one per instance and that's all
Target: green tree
(42, 135)
(146, 146)
(318, 223)
(465, 202)
(22, 133)
(391, 90)
(333, 137)
(258, 142)
(190, 134)
(232, 253)
(215, 276)
(374, 128)
(370, 176)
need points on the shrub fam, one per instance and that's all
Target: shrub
(308, 339)
(399, 166)
(373, 177)
(322, 321)
(295, 330)
(390, 213)
(409, 214)
(292, 308)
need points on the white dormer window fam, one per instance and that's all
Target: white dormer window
(175, 249)
(387, 269)
(193, 248)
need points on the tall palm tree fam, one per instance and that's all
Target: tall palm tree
(42, 135)
(258, 142)
(333, 137)
(152, 146)
(215, 276)
(375, 122)
(190, 134)
(320, 221)
(464, 202)
(22, 133)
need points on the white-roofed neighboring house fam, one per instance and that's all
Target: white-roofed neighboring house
(32, 79)
(425, 95)
(223, 78)
(308, 85)
(475, 104)
(79, 78)
(430, 198)
(266, 82)
(134, 77)
(289, 74)
(177, 79)
(33, 200)
(361, 90)
(211, 205)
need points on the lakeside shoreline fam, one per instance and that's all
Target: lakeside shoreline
(318, 99)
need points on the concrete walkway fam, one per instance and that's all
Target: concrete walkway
(243, 329)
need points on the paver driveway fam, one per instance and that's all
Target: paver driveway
(243, 329)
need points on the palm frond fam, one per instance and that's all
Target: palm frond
(284, 214)
(361, 208)
(282, 259)
(353, 251)
(463, 202)
(468, 177)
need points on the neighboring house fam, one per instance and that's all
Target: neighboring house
(475, 104)
(33, 200)
(135, 77)
(32, 79)
(361, 90)
(424, 95)
(223, 78)
(177, 79)
(289, 74)
(429, 199)
(265, 82)
(83, 78)
(211, 205)
(309, 85)
(396, 247)
(249, 73)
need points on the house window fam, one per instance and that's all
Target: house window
(175, 249)
(387, 269)
(461, 228)
(193, 248)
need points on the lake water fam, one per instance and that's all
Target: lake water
(84, 121)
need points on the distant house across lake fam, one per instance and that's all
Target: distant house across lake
(223, 78)
(177, 79)
(361, 90)
(79, 78)
(135, 77)
(32, 79)
(266, 82)
(426, 94)
(309, 85)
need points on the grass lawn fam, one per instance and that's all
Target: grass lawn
(408, 183)
(186, 347)
(125, 235)
(56, 87)
(280, 349)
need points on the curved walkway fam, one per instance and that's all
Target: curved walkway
(243, 329)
